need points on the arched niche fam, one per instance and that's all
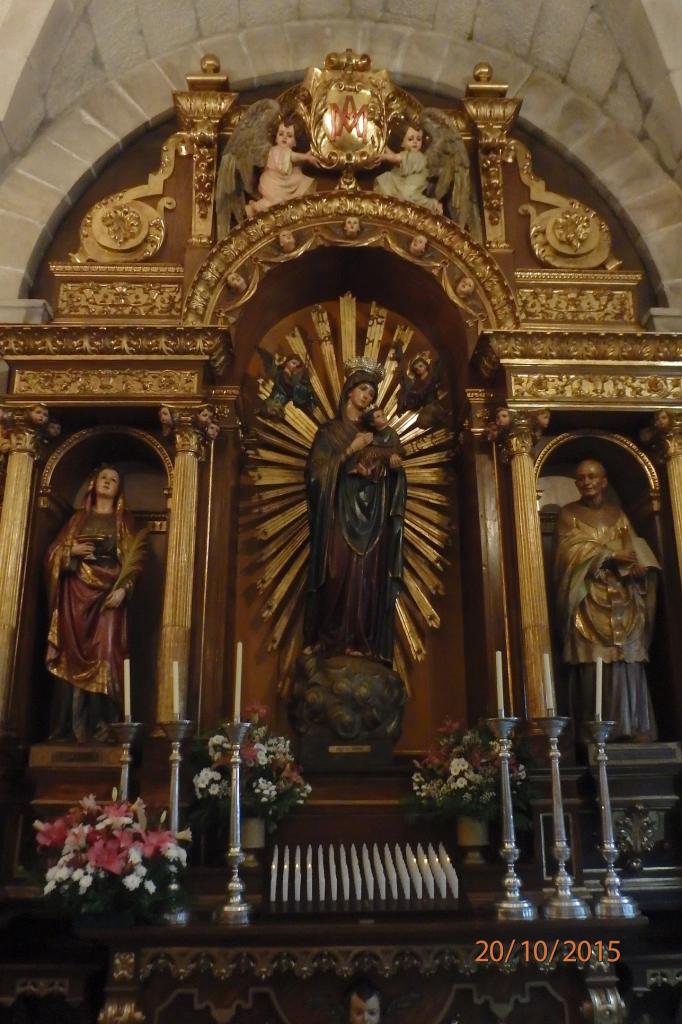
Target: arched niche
(283, 302)
(634, 485)
(146, 469)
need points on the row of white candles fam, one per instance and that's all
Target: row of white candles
(549, 686)
(422, 873)
(550, 700)
(175, 693)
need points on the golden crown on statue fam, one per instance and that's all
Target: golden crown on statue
(361, 363)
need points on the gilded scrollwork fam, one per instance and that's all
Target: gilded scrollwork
(123, 966)
(256, 243)
(125, 227)
(111, 382)
(575, 305)
(565, 232)
(120, 1010)
(106, 300)
(604, 387)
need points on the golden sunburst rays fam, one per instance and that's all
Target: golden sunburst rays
(276, 514)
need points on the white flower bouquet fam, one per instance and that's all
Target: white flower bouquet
(271, 781)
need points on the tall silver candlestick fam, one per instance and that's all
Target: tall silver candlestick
(563, 904)
(175, 731)
(125, 733)
(612, 903)
(513, 906)
(236, 910)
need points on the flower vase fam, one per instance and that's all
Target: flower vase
(473, 836)
(253, 839)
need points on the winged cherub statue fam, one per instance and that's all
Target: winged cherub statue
(262, 140)
(436, 176)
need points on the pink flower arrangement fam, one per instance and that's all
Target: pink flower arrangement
(106, 859)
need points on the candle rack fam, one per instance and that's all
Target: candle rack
(327, 881)
(175, 731)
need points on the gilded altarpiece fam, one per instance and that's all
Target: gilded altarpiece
(207, 323)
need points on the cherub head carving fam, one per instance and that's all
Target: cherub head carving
(236, 282)
(418, 245)
(287, 241)
(351, 227)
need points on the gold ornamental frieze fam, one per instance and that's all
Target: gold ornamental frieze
(600, 389)
(102, 300)
(533, 347)
(96, 382)
(19, 343)
(575, 305)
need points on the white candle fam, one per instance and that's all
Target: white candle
(176, 690)
(438, 873)
(450, 872)
(500, 686)
(345, 877)
(297, 875)
(599, 691)
(427, 873)
(333, 879)
(126, 690)
(403, 873)
(285, 876)
(379, 872)
(367, 872)
(390, 872)
(415, 873)
(238, 683)
(355, 868)
(309, 873)
(273, 874)
(549, 689)
(321, 882)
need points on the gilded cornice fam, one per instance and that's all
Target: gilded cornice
(31, 341)
(530, 347)
(244, 251)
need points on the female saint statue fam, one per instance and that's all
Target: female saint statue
(356, 532)
(91, 570)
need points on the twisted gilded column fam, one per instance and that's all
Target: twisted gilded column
(668, 426)
(22, 454)
(177, 598)
(535, 634)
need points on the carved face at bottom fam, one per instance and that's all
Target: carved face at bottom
(418, 245)
(364, 1012)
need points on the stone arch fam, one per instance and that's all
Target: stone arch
(450, 248)
(554, 64)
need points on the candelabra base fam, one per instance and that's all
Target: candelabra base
(566, 908)
(233, 914)
(615, 906)
(515, 910)
(176, 917)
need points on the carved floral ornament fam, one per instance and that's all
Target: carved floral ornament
(237, 263)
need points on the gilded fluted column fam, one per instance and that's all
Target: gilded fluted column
(177, 598)
(669, 429)
(22, 454)
(535, 634)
